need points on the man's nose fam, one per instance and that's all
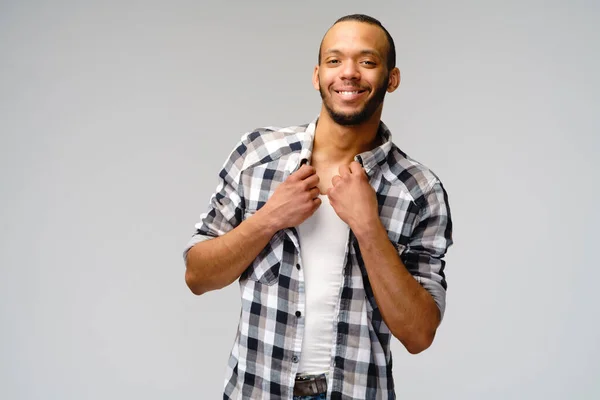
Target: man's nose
(350, 71)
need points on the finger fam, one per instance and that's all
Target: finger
(312, 181)
(336, 179)
(344, 170)
(356, 168)
(304, 172)
(315, 204)
(330, 197)
(314, 192)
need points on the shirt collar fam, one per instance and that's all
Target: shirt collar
(368, 159)
(372, 158)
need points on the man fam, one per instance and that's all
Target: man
(336, 236)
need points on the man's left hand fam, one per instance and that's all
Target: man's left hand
(353, 198)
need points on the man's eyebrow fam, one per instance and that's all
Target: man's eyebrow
(362, 52)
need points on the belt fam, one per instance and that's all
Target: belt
(309, 385)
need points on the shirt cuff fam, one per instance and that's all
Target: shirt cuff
(436, 291)
(197, 238)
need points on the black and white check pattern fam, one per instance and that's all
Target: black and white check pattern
(413, 207)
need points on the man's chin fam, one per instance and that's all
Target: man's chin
(347, 118)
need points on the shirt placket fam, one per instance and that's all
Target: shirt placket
(335, 373)
(299, 303)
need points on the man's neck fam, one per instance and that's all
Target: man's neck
(336, 144)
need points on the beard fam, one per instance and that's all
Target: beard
(360, 116)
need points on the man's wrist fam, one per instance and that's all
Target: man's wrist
(369, 230)
(266, 222)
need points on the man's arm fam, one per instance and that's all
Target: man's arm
(215, 263)
(407, 308)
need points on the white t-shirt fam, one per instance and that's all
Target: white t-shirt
(323, 240)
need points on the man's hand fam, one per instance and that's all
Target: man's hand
(353, 198)
(294, 200)
(216, 263)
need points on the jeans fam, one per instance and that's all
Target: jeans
(321, 396)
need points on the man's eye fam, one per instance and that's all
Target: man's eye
(369, 62)
(333, 61)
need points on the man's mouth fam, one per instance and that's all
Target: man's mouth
(350, 95)
(350, 92)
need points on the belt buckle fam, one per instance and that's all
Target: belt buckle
(309, 385)
(303, 378)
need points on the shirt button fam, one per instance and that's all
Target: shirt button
(297, 266)
(295, 359)
(298, 314)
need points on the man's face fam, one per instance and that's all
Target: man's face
(353, 77)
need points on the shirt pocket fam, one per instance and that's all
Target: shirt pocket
(265, 267)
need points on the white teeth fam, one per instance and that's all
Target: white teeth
(348, 93)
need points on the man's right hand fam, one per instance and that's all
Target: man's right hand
(216, 263)
(294, 200)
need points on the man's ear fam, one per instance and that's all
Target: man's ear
(315, 78)
(393, 80)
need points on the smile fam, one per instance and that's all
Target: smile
(349, 91)
(350, 94)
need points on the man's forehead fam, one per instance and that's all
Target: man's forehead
(348, 33)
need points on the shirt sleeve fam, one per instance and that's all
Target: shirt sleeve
(226, 204)
(424, 254)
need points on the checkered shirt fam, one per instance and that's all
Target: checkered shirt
(413, 207)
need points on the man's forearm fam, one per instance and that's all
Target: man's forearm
(216, 263)
(406, 307)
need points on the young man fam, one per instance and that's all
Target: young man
(336, 236)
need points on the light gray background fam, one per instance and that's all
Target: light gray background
(115, 118)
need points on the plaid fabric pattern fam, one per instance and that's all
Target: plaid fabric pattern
(413, 207)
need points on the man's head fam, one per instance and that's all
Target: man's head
(356, 68)
(391, 49)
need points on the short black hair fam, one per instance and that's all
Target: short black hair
(391, 55)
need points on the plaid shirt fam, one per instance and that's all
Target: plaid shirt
(413, 207)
